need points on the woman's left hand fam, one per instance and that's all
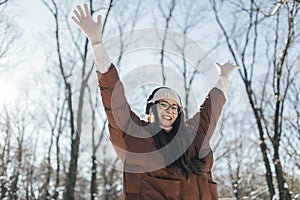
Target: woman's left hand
(227, 68)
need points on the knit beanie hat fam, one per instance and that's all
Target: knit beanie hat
(165, 93)
(162, 93)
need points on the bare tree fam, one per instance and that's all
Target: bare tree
(238, 175)
(30, 161)
(188, 17)
(126, 16)
(292, 137)
(75, 120)
(167, 16)
(8, 36)
(15, 129)
(5, 154)
(244, 45)
(75, 108)
(3, 2)
(110, 181)
(56, 121)
(96, 141)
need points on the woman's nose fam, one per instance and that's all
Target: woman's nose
(169, 110)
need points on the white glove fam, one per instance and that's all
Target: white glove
(91, 29)
(223, 82)
(227, 68)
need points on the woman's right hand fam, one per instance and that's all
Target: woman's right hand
(92, 30)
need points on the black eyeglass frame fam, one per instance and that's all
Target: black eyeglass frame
(179, 108)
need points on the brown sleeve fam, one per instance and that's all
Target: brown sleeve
(204, 122)
(117, 109)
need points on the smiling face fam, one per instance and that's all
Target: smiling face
(167, 111)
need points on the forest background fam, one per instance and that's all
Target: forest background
(53, 132)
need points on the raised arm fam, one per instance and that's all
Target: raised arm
(114, 101)
(205, 120)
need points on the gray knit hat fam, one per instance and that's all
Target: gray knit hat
(165, 93)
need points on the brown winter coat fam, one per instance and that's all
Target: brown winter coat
(131, 140)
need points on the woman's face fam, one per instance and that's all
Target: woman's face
(167, 111)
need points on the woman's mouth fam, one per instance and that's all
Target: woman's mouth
(166, 117)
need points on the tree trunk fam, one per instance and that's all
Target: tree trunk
(263, 145)
(284, 192)
(16, 173)
(94, 178)
(45, 190)
(57, 181)
(72, 174)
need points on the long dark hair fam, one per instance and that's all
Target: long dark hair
(179, 146)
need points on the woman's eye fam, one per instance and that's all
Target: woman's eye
(164, 105)
(174, 108)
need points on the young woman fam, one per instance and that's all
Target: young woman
(165, 157)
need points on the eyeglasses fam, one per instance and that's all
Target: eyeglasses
(165, 106)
